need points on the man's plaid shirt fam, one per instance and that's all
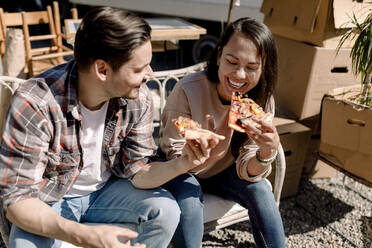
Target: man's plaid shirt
(40, 154)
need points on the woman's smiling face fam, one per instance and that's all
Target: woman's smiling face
(240, 66)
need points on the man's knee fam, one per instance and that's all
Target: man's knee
(165, 213)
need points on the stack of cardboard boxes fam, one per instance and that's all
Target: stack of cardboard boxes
(307, 34)
(294, 138)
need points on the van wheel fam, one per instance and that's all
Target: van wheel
(203, 47)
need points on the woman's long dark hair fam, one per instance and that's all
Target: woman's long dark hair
(264, 40)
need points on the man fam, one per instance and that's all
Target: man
(77, 135)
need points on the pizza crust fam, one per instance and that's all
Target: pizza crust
(191, 129)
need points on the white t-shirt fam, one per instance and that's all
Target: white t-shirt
(93, 174)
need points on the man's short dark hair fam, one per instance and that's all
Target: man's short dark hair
(109, 34)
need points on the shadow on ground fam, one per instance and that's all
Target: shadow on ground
(311, 208)
(367, 229)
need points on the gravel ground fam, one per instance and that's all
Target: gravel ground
(332, 213)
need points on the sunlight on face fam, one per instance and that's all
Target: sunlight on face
(240, 66)
(127, 81)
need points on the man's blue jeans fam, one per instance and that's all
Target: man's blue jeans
(264, 215)
(155, 213)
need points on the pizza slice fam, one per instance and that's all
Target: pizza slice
(191, 129)
(244, 109)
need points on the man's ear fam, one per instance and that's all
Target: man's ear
(101, 69)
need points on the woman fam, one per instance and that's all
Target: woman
(244, 60)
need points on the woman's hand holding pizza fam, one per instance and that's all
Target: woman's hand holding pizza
(264, 134)
(247, 116)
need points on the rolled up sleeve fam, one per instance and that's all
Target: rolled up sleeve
(171, 141)
(246, 153)
(249, 149)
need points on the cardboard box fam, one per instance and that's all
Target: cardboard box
(319, 22)
(323, 170)
(346, 134)
(294, 138)
(308, 72)
(311, 157)
(291, 184)
(313, 123)
(313, 167)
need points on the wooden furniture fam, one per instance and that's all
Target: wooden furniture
(70, 26)
(74, 13)
(8, 20)
(165, 34)
(218, 212)
(174, 29)
(52, 53)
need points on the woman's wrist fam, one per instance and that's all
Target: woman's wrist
(266, 153)
(266, 160)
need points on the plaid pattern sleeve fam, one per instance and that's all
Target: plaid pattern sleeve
(138, 144)
(25, 143)
(39, 153)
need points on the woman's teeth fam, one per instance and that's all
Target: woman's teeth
(236, 84)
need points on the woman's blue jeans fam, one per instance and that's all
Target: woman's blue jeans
(267, 226)
(186, 190)
(264, 215)
(154, 213)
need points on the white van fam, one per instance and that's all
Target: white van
(211, 10)
(210, 14)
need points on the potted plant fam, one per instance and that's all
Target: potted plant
(361, 55)
(346, 118)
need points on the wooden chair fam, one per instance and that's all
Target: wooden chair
(74, 13)
(63, 34)
(42, 58)
(8, 20)
(71, 26)
(218, 212)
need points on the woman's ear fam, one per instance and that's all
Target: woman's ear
(100, 69)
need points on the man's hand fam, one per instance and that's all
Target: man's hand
(197, 151)
(35, 216)
(107, 236)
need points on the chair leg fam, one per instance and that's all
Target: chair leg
(30, 69)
